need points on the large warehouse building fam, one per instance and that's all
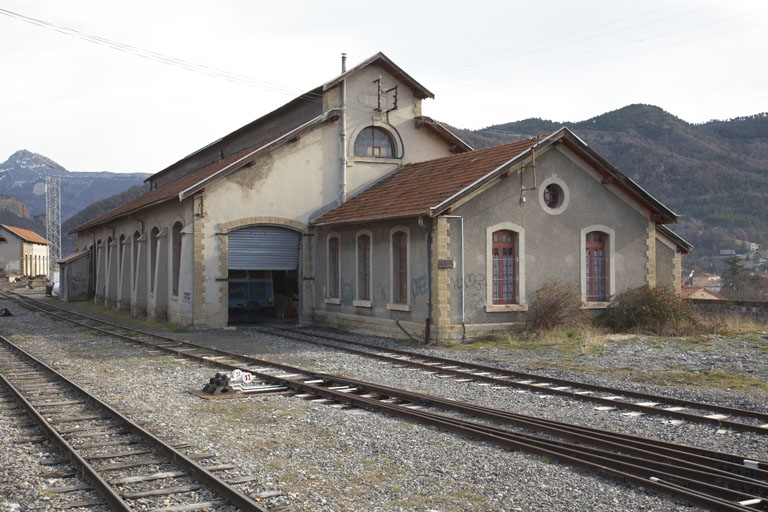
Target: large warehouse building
(348, 207)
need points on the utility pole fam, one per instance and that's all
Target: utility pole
(53, 221)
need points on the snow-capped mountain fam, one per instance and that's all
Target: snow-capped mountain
(22, 176)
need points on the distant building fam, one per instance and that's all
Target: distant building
(696, 292)
(22, 252)
(727, 252)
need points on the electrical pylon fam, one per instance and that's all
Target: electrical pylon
(53, 221)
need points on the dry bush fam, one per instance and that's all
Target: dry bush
(556, 305)
(651, 311)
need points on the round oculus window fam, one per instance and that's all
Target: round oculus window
(553, 195)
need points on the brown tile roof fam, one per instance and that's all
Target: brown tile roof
(689, 291)
(414, 188)
(26, 235)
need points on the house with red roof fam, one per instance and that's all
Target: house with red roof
(348, 207)
(22, 252)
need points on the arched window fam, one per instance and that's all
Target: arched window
(153, 258)
(400, 267)
(135, 252)
(334, 270)
(504, 254)
(596, 266)
(374, 141)
(176, 256)
(364, 267)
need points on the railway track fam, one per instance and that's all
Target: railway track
(608, 398)
(719, 481)
(127, 466)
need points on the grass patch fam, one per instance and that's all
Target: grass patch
(717, 379)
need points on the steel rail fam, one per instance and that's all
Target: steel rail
(585, 457)
(477, 368)
(226, 491)
(306, 337)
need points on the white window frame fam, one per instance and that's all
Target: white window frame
(328, 299)
(407, 305)
(522, 304)
(554, 180)
(611, 261)
(363, 303)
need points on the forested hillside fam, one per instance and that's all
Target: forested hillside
(715, 175)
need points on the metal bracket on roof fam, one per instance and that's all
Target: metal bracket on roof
(379, 92)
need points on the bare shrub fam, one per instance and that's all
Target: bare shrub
(556, 305)
(652, 311)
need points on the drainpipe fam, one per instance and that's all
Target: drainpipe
(463, 315)
(343, 197)
(428, 319)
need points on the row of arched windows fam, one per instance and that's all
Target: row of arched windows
(154, 235)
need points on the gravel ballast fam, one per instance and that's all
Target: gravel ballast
(308, 456)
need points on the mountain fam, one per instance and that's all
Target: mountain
(715, 174)
(15, 213)
(22, 176)
(69, 242)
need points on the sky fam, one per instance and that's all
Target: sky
(100, 107)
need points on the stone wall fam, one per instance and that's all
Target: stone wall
(746, 308)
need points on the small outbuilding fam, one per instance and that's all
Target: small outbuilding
(22, 252)
(75, 276)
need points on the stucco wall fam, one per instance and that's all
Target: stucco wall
(10, 253)
(381, 273)
(553, 245)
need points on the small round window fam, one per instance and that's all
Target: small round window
(553, 196)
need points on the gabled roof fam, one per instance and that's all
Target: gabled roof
(382, 60)
(433, 187)
(689, 291)
(415, 188)
(26, 235)
(685, 247)
(188, 184)
(442, 131)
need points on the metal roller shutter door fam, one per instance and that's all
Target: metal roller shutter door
(263, 248)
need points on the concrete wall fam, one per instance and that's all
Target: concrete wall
(10, 253)
(379, 314)
(752, 309)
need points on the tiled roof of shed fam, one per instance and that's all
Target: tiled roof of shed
(415, 188)
(26, 235)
